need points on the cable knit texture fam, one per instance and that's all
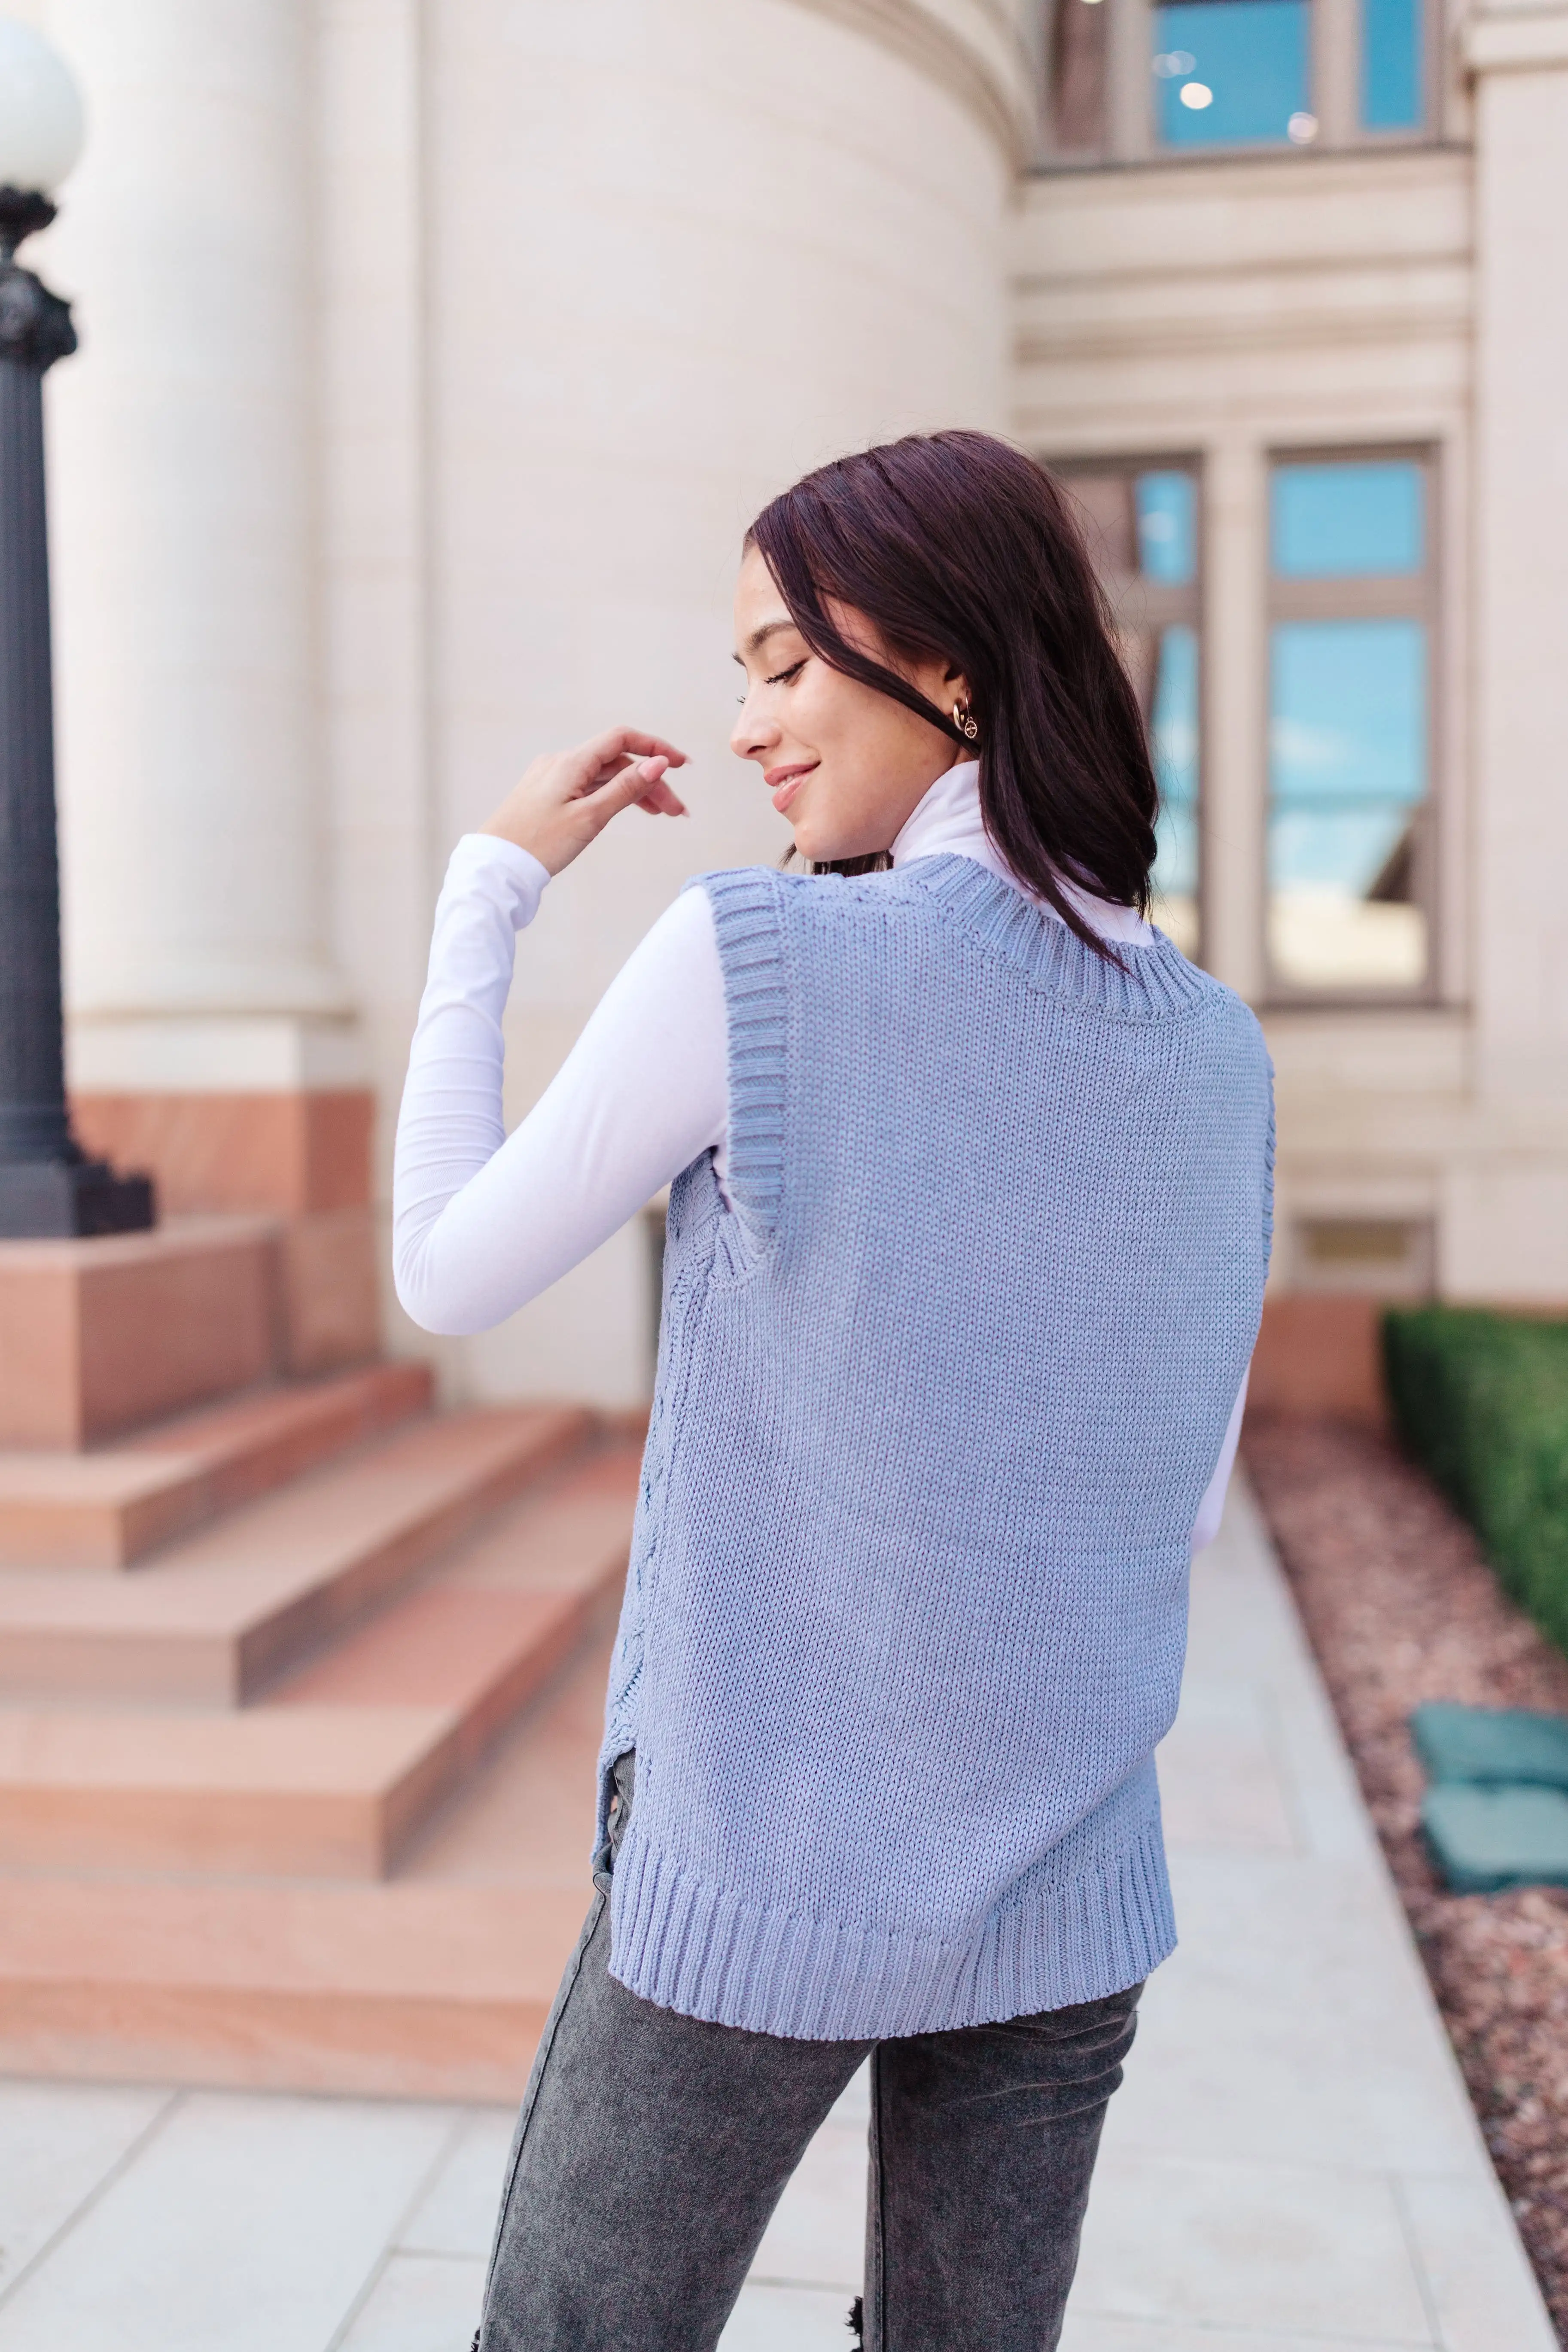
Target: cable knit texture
(939, 1391)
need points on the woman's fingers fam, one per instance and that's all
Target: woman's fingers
(642, 781)
(565, 799)
(603, 754)
(659, 801)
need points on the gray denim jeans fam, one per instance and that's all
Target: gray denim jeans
(652, 2149)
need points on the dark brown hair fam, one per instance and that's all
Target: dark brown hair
(957, 546)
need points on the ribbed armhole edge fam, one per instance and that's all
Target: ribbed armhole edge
(745, 904)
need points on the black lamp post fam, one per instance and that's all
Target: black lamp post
(48, 1187)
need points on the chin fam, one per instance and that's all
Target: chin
(823, 850)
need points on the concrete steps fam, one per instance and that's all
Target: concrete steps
(108, 1508)
(299, 1691)
(410, 1991)
(219, 1613)
(340, 1766)
(435, 1984)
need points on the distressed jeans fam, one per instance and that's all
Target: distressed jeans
(652, 2148)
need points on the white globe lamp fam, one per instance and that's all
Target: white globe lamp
(41, 125)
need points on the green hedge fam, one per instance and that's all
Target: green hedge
(1481, 1402)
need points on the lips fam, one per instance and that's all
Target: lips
(786, 782)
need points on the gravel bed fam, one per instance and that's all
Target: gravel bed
(1401, 1606)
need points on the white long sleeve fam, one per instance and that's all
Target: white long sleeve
(1211, 1510)
(483, 1222)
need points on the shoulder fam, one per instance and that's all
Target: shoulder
(722, 883)
(1220, 1002)
(740, 901)
(795, 895)
(807, 920)
(680, 943)
(1238, 1051)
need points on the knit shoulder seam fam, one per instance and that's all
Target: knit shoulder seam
(744, 900)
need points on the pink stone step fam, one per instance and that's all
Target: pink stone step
(421, 1991)
(481, 1637)
(331, 1775)
(108, 1508)
(224, 1611)
(103, 1335)
(435, 1984)
(315, 1793)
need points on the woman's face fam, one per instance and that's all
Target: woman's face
(846, 764)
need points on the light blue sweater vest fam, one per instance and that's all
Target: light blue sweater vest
(937, 1398)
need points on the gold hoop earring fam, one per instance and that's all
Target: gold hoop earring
(966, 722)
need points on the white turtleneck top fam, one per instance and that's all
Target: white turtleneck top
(483, 1222)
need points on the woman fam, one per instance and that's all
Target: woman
(967, 1236)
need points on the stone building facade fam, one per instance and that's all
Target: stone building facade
(435, 356)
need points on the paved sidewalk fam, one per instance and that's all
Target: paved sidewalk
(1292, 2163)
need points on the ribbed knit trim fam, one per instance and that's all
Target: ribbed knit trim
(1148, 984)
(707, 1953)
(745, 920)
(1268, 1150)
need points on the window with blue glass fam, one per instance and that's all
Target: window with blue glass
(1142, 522)
(1233, 73)
(1392, 65)
(1350, 755)
(1239, 73)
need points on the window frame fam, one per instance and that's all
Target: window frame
(1129, 129)
(1362, 596)
(1165, 605)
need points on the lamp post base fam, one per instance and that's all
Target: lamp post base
(58, 1199)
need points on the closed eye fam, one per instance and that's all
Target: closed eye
(783, 677)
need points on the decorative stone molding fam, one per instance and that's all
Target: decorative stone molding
(976, 50)
(1516, 40)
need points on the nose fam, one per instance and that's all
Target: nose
(752, 736)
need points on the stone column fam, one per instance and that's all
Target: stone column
(184, 504)
(208, 1033)
(1507, 1215)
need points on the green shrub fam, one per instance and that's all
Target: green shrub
(1481, 1402)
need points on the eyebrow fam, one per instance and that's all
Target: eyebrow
(760, 636)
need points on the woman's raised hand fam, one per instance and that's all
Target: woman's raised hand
(565, 799)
